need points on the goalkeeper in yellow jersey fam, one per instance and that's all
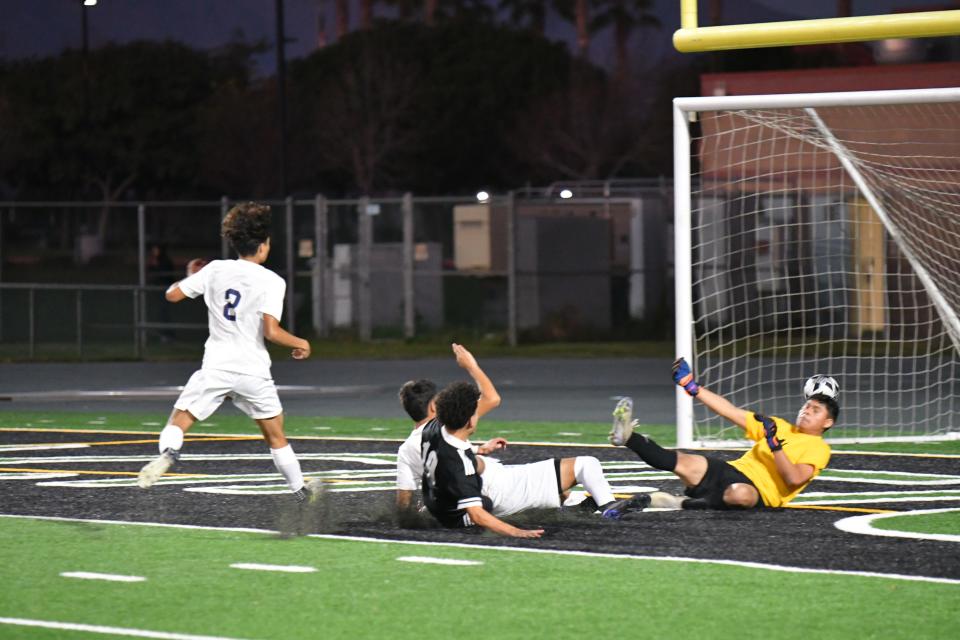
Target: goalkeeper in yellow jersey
(785, 458)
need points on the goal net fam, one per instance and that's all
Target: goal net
(820, 233)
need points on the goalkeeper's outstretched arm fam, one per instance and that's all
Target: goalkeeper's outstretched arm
(684, 377)
(723, 407)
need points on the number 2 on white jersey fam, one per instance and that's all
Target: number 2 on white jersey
(233, 299)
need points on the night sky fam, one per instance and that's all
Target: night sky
(45, 27)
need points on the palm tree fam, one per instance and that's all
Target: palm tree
(716, 12)
(406, 8)
(624, 16)
(577, 12)
(533, 12)
(429, 11)
(366, 14)
(343, 17)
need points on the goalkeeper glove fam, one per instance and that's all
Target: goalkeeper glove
(770, 432)
(683, 376)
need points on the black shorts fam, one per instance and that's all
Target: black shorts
(720, 475)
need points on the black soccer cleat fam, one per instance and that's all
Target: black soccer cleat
(310, 492)
(588, 505)
(617, 509)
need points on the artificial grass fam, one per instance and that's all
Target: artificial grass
(361, 590)
(379, 428)
(947, 522)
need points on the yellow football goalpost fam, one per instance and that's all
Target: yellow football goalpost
(692, 39)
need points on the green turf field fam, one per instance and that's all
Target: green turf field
(948, 522)
(360, 589)
(380, 428)
(363, 590)
(398, 428)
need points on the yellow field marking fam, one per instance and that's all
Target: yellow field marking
(97, 473)
(42, 430)
(853, 509)
(149, 441)
(202, 436)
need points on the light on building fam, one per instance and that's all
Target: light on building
(89, 3)
(566, 194)
(482, 196)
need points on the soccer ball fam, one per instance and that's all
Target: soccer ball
(821, 385)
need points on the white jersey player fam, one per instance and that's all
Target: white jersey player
(244, 306)
(510, 488)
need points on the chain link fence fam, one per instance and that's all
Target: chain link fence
(87, 279)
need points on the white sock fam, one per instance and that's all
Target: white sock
(587, 471)
(171, 438)
(289, 467)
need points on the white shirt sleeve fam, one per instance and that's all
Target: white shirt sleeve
(195, 285)
(409, 464)
(272, 301)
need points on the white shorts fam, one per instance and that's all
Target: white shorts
(206, 390)
(517, 487)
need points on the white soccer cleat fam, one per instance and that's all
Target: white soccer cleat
(152, 471)
(664, 500)
(623, 423)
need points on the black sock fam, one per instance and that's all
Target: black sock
(652, 453)
(696, 503)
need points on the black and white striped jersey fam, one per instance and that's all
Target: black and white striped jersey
(451, 482)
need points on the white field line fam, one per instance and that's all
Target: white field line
(282, 568)
(109, 577)
(919, 483)
(4, 449)
(518, 443)
(908, 474)
(346, 475)
(277, 489)
(558, 552)
(877, 494)
(36, 475)
(447, 561)
(372, 459)
(878, 500)
(864, 525)
(112, 631)
(349, 487)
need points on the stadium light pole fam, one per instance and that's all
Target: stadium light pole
(84, 51)
(282, 95)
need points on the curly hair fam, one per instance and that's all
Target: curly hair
(456, 404)
(415, 396)
(247, 226)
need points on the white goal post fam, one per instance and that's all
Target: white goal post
(820, 233)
